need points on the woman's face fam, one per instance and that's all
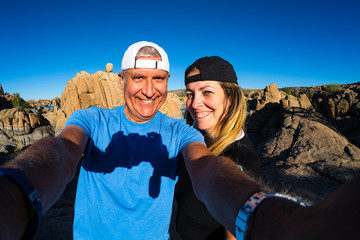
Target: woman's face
(206, 103)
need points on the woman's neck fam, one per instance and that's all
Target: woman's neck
(210, 138)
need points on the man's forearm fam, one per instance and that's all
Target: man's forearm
(219, 183)
(49, 165)
(46, 166)
(224, 189)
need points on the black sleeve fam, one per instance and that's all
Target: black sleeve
(242, 152)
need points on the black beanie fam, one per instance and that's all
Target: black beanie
(212, 68)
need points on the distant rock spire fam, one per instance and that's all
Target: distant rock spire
(109, 67)
(1, 89)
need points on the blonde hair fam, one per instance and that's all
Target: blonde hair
(231, 122)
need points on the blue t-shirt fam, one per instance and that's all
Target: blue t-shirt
(127, 177)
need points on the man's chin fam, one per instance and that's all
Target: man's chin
(147, 115)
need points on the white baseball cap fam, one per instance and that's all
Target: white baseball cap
(129, 61)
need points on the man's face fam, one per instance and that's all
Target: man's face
(145, 91)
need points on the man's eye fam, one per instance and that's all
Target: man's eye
(159, 79)
(138, 78)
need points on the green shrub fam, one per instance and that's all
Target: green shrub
(287, 90)
(310, 96)
(18, 102)
(332, 88)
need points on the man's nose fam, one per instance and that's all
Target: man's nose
(149, 89)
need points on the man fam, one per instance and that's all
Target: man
(129, 170)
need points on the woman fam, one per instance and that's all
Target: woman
(216, 106)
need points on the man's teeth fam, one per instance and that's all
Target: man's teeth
(147, 101)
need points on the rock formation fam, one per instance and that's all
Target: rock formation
(344, 102)
(271, 95)
(22, 127)
(7, 144)
(55, 102)
(302, 152)
(306, 156)
(1, 89)
(109, 67)
(179, 100)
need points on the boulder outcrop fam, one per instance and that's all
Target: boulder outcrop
(271, 95)
(307, 156)
(18, 122)
(22, 127)
(39, 104)
(303, 153)
(109, 67)
(28, 139)
(343, 102)
(179, 100)
(7, 144)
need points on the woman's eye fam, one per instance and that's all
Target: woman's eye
(189, 95)
(207, 92)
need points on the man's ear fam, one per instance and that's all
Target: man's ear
(122, 82)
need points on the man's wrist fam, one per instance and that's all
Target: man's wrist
(13, 210)
(31, 198)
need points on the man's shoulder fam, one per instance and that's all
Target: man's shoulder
(97, 110)
(173, 121)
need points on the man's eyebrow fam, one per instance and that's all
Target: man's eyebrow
(137, 74)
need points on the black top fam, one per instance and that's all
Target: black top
(193, 221)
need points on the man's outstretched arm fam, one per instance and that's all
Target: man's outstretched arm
(49, 164)
(224, 189)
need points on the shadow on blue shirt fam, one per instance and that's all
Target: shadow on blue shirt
(130, 151)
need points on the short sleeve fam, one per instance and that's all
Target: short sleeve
(82, 118)
(188, 135)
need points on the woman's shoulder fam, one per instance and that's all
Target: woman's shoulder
(242, 143)
(243, 153)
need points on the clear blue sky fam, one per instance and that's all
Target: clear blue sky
(292, 43)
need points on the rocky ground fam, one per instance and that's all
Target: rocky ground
(307, 139)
